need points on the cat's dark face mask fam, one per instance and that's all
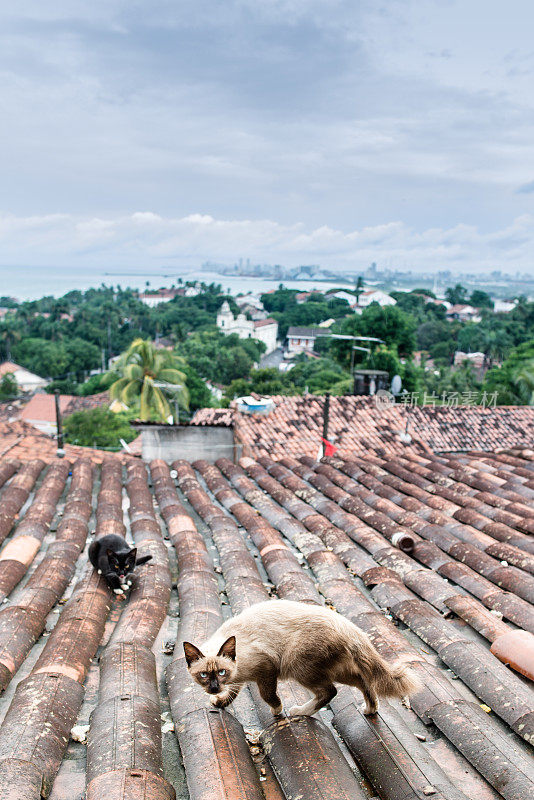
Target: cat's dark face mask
(123, 565)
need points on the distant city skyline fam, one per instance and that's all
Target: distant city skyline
(293, 131)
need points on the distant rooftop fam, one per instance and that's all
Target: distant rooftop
(358, 425)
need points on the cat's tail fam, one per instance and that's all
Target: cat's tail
(142, 560)
(387, 680)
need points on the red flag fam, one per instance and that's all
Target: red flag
(329, 448)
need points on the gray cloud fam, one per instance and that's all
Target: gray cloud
(345, 115)
(148, 239)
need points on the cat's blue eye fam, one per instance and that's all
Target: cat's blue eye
(222, 672)
(203, 674)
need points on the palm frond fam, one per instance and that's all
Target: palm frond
(169, 375)
(161, 405)
(147, 397)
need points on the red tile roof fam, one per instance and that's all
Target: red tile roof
(217, 417)
(87, 403)
(452, 593)
(42, 407)
(358, 424)
(456, 607)
(8, 367)
(19, 439)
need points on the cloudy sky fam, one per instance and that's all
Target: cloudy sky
(151, 133)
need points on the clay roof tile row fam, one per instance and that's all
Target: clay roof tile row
(431, 554)
(361, 424)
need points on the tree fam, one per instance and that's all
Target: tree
(220, 358)
(98, 427)
(359, 288)
(446, 381)
(9, 334)
(149, 376)
(431, 333)
(388, 323)
(280, 299)
(83, 356)
(63, 386)
(8, 302)
(8, 387)
(456, 295)
(523, 380)
(514, 380)
(57, 359)
(199, 394)
(45, 358)
(315, 376)
(412, 377)
(383, 358)
(97, 383)
(492, 345)
(480, 299)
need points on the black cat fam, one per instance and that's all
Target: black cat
(115, 560)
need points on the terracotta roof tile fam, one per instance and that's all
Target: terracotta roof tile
(260, 323)
(42, 407)
(7, 367)
(218, 417)
(457, 603)
(18, 439)
(358, 425)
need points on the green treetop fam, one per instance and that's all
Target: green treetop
(149, 376)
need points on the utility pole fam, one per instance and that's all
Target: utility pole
(60, 451)
(326, 416)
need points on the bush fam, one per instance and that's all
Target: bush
(97, 383)
(8, 387)
(98, 427)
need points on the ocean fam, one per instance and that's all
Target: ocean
(31, 283)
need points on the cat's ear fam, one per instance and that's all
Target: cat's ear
(192, 653)
(111, 554)
(133, 553)
(228, 649)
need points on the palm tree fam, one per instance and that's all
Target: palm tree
(523, 380)
(150, 375)
(493, 344)
(359, 288)
(9, 335)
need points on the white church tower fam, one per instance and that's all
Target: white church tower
(225, 318)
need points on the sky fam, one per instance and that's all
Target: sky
(149, 133)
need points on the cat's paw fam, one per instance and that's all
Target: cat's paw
(368, 711)
(219, 700)
(125, 586)
(296, 711)
(277, 710)
(118, 591)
